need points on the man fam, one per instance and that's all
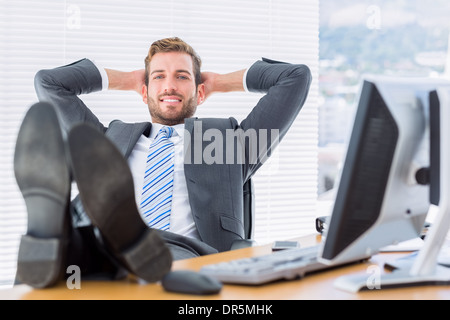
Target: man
(115, 220)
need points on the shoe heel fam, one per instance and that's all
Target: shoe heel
(46, 214)
(39, 261)
(150, 266)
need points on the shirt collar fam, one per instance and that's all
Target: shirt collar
(179, 128)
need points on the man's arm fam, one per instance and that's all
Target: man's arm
(215, 83)
(61, 87)
(289, 86)
(286, 88)
(121, 80)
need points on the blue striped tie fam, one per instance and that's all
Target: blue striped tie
(158, 181)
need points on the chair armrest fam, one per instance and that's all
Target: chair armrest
(243, 243)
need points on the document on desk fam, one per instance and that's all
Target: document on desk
(405, 246)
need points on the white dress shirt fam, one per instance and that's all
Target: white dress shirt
(181, 221)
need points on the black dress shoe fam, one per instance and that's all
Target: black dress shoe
(43, 177)
(107, 192)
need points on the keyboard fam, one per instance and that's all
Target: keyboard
(281, 265)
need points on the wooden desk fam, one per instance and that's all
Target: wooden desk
(316, 286)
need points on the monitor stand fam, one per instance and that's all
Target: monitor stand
(424, 268)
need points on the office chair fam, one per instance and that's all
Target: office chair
(249, 217)
(249, 209)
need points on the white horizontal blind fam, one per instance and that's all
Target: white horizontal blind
(229, 35)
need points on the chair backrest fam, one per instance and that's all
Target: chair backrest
(249, 209)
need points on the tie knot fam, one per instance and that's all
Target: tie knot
(166, 132)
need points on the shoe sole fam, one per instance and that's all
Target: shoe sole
(43, 178)
(107, 193)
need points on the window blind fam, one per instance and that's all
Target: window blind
(228, 35)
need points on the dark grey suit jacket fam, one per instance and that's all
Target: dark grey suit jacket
(215, 190)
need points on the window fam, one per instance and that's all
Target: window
(228, 35)
(398, 38)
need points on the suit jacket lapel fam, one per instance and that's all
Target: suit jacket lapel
(126, 135)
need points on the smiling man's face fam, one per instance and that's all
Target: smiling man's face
(171, 94)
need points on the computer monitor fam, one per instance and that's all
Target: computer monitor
(380, 199)
(434, 173)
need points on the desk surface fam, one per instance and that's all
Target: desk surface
(315, 286)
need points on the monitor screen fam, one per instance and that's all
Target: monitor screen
(382, 197)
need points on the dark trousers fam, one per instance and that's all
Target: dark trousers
(87, 251)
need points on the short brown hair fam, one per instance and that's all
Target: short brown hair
(174, 44)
